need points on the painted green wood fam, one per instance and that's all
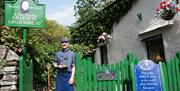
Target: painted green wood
(109, 86)
(122, 75)
(136, 60)
(174, 74)
(99, 83)
(100, 87)
(28, 76)
(118, 77)
(109, 83)
(89, 73)
(162, 77)
(21, 73)
(78, 72)
(104, 86)
(130, 57)
(133, 77)
(126, 65)
(177, 63)
(170, 76)
(165, 75)
(113, 82)
(94, 78)
(85, 75)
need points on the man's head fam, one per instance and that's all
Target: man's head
(65, 43)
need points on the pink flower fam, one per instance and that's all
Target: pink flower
(104, 37)
(167, 8)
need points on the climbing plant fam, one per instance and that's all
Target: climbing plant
(87, 32)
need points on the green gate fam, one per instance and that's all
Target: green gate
(170, 74)
(86, 74)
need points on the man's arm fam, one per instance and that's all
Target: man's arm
(71, 80)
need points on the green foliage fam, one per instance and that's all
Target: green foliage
(11, 38)
(85, 9)
(87, 32)
(82, 49)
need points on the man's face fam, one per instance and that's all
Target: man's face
(65, 44)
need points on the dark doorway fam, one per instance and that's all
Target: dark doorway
(155, 48)
(103, 50)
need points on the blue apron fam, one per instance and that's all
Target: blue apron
(62, 81)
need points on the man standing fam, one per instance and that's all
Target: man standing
(65, 64)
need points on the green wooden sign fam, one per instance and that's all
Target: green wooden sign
(24, 13)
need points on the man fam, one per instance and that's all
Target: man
(65, 65)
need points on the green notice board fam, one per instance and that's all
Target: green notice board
(24, 13)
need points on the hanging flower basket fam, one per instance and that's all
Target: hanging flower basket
(103, 39)
(167, 9)
(168, 15)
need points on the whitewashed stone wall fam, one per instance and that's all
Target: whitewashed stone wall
(9, 72)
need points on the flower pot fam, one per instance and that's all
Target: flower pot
(167, 15)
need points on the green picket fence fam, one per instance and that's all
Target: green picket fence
(170, 74)
(86, 75)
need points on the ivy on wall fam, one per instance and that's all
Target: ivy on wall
(88, 32)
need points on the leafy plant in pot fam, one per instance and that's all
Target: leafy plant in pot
(167, 9)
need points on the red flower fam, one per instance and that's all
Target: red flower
(176, 9)
(167, 9)
(179, 9)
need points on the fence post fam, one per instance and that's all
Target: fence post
(94, 77)
(169, 75)
(164, 86)
(133, 77)
(89, 73)
(118, 76)
(174, 74)
(78, 73)
(177, 63)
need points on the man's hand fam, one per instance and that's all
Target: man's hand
(61, 66)
(71, 80)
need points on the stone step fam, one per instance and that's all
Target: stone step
(10, 78)
(8, 72)
(12, 63)
(9, 88)
(9, 68)
(7, 83)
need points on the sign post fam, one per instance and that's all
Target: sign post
(147, 76)
(25, 14)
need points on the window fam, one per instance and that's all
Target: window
(155, 48)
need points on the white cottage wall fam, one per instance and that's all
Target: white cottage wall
(171, 38)
(125, 32)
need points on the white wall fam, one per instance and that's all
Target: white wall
(126, 38)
